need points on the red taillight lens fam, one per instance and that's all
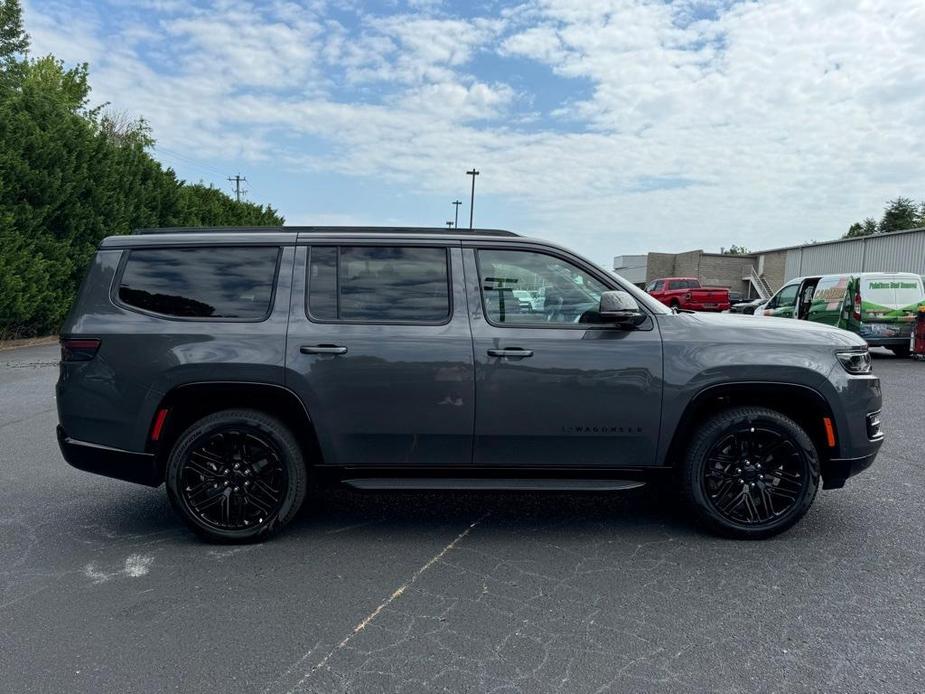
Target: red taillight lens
(79, 348)
(857, 306)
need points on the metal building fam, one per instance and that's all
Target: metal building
(899, 251)
(764, 272)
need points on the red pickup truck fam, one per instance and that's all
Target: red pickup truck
(686, 292)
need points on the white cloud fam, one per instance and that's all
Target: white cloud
(248, 46)
(761, 123)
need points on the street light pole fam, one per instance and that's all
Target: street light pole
(456, 204)
(449, 224)
(472, 173)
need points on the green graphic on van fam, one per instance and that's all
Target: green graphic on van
(893, 285)
(874, 307)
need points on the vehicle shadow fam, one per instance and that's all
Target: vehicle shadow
(648, 509)
(651, 510)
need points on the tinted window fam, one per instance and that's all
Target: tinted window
(322, 282)
(379, 283)
(565, 294)
(213, 282)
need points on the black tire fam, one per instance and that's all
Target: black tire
(245, 463)
(749, 452)
(675, 304)
(902, 351)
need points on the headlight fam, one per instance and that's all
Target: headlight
(855, 362)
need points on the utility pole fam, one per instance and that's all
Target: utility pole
(472, 173)
(456, 204)
(238, 180)
(449, 224)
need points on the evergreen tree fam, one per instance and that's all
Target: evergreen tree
(71, 175)
(14, 41)
(901, 213)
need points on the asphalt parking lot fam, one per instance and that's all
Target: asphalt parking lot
(103, 590)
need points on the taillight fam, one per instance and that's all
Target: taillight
(78, 348)
(857, 306)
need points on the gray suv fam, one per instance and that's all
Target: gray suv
(244, 366)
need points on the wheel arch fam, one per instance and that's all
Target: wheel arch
(189, 402)
(804, 404)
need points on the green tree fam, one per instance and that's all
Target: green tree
(866, 228)
(71, 175)
(14, 41)
(735, 250)
(901, 213)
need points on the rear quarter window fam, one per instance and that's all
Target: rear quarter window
(223, 283)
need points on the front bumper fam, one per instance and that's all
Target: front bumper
(837, 470)
(140, 468)
(888, 341)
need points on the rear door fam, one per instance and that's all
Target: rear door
(379, 348)
(554, 388)
(888, 305)
(828, 300)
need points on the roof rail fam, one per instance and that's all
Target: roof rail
(209, 230)
(327, 230)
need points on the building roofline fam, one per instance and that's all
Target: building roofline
(834, 241)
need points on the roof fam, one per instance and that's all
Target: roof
(441, 231)
(917, 230)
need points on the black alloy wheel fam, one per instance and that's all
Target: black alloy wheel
(750, 473)
(236, 476)
(233, 479)
(754, 474)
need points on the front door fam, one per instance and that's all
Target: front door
(554, 386)
(379, 349)
(783, 303)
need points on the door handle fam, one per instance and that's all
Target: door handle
(322, 349)
(511, 353)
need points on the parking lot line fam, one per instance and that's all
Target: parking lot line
(375, 613)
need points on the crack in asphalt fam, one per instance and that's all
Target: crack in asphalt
(359, 628)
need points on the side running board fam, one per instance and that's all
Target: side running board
(513, 484)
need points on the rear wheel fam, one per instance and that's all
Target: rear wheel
(750, 473)
(901, 350)
(236, 476)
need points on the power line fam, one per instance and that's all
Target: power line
(195, 162)
(238, 180)
(472, 173)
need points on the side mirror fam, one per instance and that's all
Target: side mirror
(621, 308)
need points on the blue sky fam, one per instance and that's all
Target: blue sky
(613, 126)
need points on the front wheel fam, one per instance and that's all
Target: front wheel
(750, 473)
(236, 476)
